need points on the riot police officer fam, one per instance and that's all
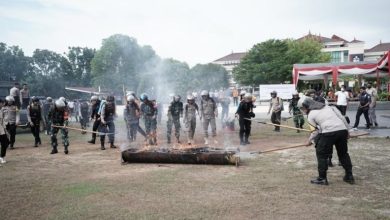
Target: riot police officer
(208, 111)
(58, 117)
(12, 118)
(175, 111)
(149, 113)
(95, 101)
(244, 113)
(34, 116)
(107, 115)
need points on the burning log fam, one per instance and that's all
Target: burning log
(200, 155)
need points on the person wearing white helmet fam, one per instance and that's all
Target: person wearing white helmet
(12, 118)
(58, 117)
(34, 116)
(208, 111)
(331, 128)
(242, 94)
(297, 114)
(4, 141)
(190, 112)
(244, 113)
(95, 116)
(131, 115)
(276, 105)
(47, 105)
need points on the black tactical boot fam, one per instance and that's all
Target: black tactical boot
(247, 141)
(54, 150)
(11, 146)
(102, 145)
(92, 141)
(66, 150)
(36, 144)
(242, 142)
(39, 141)
(319, 181)
(348, 178)
(112, 145)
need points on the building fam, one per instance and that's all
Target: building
(339, 49)
(229, 62)
(376, 52)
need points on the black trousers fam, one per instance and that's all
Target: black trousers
(245, 128)
(359, 112)
(95, 127)
(12, 132)
(275, 119)
(342, 109)
(35, 131)
(324, 149)
(4, 144)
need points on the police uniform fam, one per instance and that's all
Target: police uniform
(149, 112)
(96, 123)
(131, 114)
(107, 113)
(331, 129)
(245, 112)
(208, 109)
(83, 114)
(34, 115)
(59, 117)
(46, 109)
(175, 110)
(364, 106)
(190, 120)
(11, 121)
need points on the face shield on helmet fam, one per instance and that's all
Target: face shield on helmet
(35, 99)
(243, 92)
(144, 97)
(49, 99)
(130, 98)
(59, 104)
(190, 99)
(10, 99)
(177, 98)
(274, 94)
(204, 94)
(63, 99)
(248, 97)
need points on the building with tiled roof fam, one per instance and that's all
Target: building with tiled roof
(229, 62)
(340, 49)
(376, 52)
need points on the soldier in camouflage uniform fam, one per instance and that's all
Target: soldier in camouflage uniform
(175, 111)
(12, 118)
(190, 112)
(149, 113)
(131, 115)
(58, 116)
(297, 114)
(46, 109)
(34, 116)
(208, 111)
(108, 114)
(170, 120)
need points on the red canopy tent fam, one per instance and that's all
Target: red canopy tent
(317, 71)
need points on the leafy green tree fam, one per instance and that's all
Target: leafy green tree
(13, 64)
(120, 61)
(208, 76)
(78, 66)
(272, 61)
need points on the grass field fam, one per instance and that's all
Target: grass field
(93, 184)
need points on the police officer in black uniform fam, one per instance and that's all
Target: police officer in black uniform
(95, 101)
(34, 115)
(245, 112)
(107, 113)
(364, 106)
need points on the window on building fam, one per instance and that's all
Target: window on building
(346, 55)
(335, 57)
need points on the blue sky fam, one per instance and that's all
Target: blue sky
(191, 31)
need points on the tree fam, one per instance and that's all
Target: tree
(208, 76)
(78, 66)
(13, 64)
(120, 61)
(272, 61)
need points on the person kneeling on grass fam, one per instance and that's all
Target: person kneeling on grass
(331, 128)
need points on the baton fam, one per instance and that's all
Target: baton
(283, 126)
(78, 129)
